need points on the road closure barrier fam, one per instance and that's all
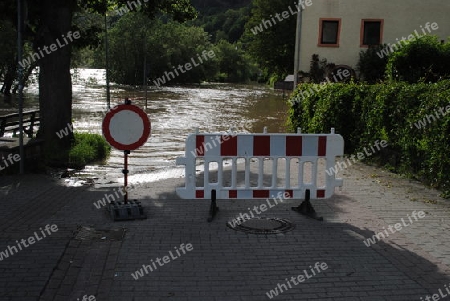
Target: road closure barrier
(247, 166)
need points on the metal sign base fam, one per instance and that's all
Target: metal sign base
(131, 210)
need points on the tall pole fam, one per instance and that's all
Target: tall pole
(145, 81)
(108, 94)
(19, 59)
(298, 35)
(145, 66)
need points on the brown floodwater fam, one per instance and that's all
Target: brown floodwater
(174, 112)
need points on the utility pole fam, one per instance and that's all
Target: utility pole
(298, 36)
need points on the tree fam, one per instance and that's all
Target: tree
(50, 21)
(278, 36)
(234, 64)
(163, 46)
(7, 55)
(228, 25)
(370, 66)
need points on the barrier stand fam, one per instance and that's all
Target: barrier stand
(306, 207)
(213, 209)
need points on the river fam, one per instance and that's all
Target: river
(174, 112)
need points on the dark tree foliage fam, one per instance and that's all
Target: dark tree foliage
(226, 25)
(279, 38)
(371, 66)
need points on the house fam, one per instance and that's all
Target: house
(339, 29)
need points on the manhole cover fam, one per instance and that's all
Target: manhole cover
(88, 233)
(261, 225)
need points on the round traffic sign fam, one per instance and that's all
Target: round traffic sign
(126, 127)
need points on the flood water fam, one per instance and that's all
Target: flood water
(174, 112)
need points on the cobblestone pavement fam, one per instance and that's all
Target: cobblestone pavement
(91, 256)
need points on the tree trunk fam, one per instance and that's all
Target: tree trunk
(9, 79)
(55, 84)
(26, 76)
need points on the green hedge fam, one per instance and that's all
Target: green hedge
(364, 113)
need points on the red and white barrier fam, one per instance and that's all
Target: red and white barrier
(242, 148)
(220, 148)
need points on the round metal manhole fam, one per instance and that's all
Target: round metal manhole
(88, 233)
(261, 225)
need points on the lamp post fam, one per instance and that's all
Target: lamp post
(145, 66)
(108, 94)
(19, 59)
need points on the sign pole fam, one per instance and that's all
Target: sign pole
(125, 176)
(126, 127)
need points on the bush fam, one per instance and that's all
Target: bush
(88, 148)
(402, 114)
(425, 59)
(371, 66)
(317, 69)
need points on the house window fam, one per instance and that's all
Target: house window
(329, 32)
(371, 32)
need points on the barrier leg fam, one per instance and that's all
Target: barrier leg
(306, 207)
(213, 208)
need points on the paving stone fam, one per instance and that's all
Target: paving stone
(224, 264)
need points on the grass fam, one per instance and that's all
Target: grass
(85, 148)
(88, 148)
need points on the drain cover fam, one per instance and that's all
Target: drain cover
(88, 233)
(261, 225)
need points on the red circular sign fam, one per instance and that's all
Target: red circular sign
(126, 127)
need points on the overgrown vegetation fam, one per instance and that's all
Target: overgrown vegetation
(413, 117)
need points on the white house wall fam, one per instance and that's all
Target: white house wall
(401, 18)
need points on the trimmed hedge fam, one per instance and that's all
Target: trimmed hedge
(364, 113)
